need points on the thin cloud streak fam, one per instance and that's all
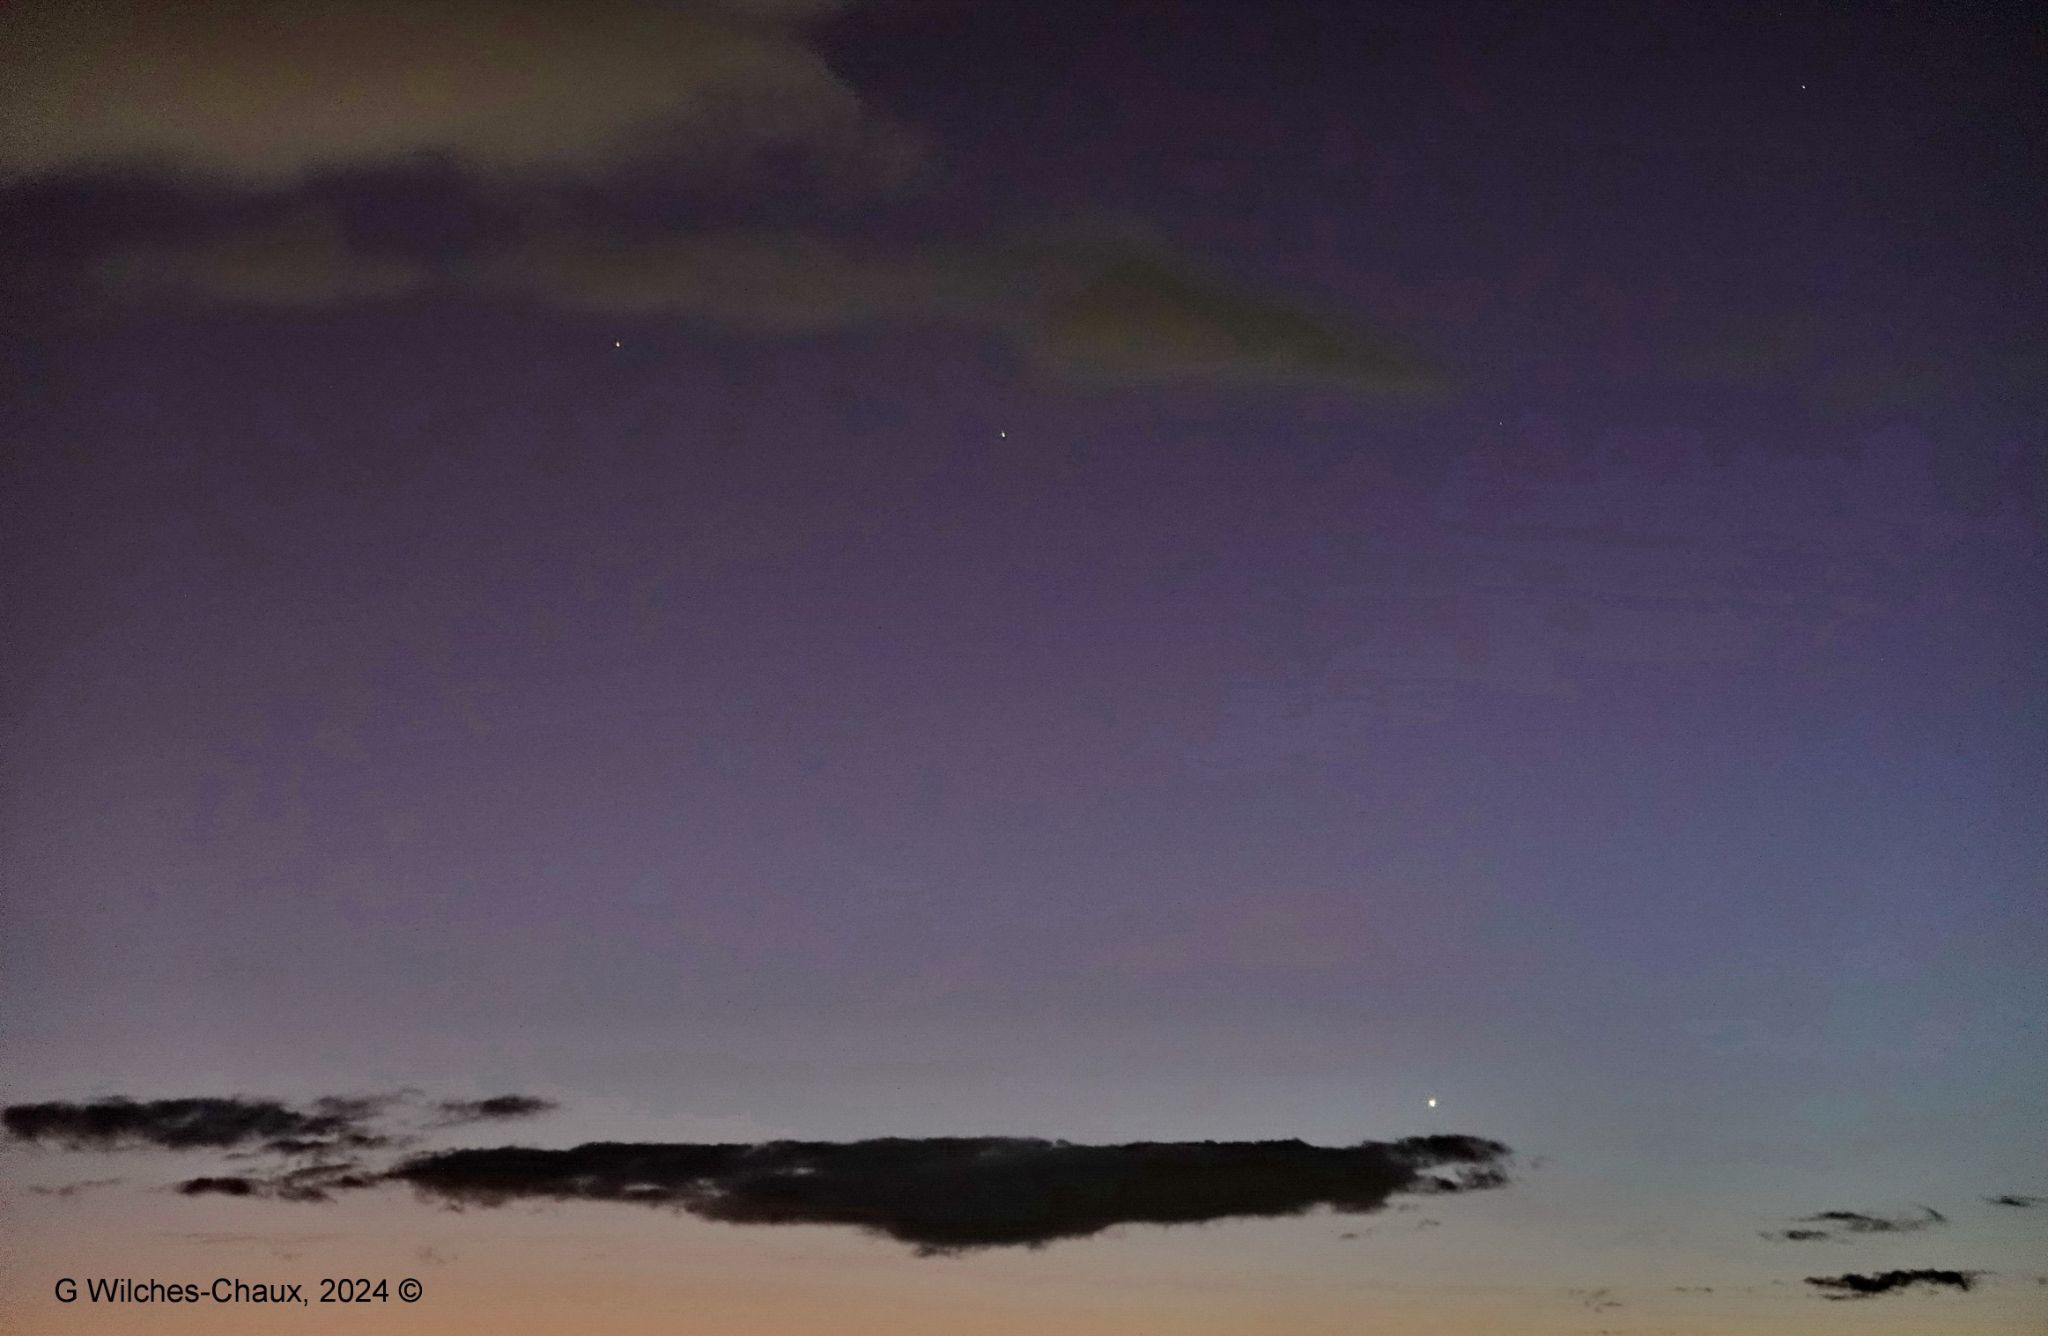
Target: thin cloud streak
(1828, 1225)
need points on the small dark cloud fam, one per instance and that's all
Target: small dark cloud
(1855, 1285)
(179, 1124)
(226, 1185)
(345, 1141)
(955, 1194)
(1798, 1235)
(2015, 1199)
(1858, 1222)
(1596, 1300)
(494, 1109)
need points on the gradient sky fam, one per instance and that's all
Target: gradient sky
(1117, 571)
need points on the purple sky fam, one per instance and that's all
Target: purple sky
(1111, 572)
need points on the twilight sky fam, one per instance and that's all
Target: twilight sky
(757, 571)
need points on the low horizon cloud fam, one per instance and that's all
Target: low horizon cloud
(945, 1195)
(940, 1195)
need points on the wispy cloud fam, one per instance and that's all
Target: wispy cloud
(1834, 1224)
(184, 1124)
(323, 1128)
(76, 1189)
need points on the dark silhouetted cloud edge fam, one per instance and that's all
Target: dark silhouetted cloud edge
(955, 1194)
(940, 1195)
(117, 1123)
(1858, 1285)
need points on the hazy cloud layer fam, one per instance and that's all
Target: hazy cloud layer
(1117, 314)
(1139, 319)
(761, 282)
(945, 1195)
(78, 1188)
(1854, 1285)
(1860, 1222)
(302, 260)
(267, 90)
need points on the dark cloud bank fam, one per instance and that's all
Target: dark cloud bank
(953, 1194)
(938, 1194)
(1855, 1285)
